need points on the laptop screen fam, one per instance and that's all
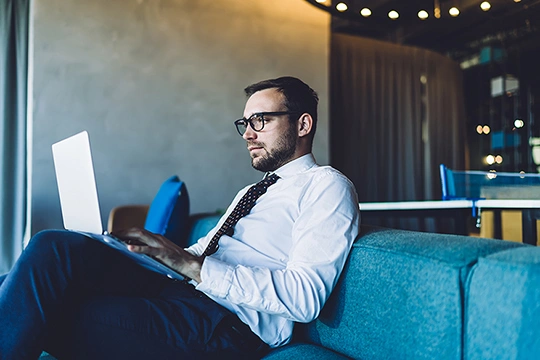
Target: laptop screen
(77, 184)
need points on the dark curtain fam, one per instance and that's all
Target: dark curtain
(396, 113)
(14, 21)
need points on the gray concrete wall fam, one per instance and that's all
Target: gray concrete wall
(158, 84)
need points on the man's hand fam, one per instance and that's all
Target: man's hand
(164, 250)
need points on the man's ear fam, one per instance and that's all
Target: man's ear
(305, 124)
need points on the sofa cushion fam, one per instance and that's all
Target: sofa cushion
(401, 296)
(503, 307)
(304, 351)
(169, 211)
(200, 225)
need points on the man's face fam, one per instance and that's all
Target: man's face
(276, 143)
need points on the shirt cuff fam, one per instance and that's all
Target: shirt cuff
(216, 277)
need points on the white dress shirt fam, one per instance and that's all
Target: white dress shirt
(285, 256)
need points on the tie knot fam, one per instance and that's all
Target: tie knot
(269, 180)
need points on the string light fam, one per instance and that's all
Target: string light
(483, 129)
(393, 14)
(341, 7)
(454, 11)
(423, 14)
(437, 9)
(365, 12)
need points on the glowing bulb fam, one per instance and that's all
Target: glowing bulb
(423, 14)
(485, 6)
(393, 14)
(486, 129)
(490, 159)
(516, 1)
(519, 123)
(453, 11)
(321, 1)
(479, 129)
(365, 12)
(498, 159)
(341, 7)
(492, 174)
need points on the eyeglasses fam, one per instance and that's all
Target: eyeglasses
(256, 121)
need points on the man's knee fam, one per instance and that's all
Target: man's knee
(56, 241)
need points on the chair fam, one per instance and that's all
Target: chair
(447, 183)
(126, 216)
(477, 185)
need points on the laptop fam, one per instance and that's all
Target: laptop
(79, 199)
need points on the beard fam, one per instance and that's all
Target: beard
(280, 155)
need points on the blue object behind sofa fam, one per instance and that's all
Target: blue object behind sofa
(169, 211)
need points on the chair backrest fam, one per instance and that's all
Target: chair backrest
(476, 185)
(447, 183)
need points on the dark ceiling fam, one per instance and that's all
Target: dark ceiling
(508, 24)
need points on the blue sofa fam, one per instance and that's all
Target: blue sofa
(415, 295)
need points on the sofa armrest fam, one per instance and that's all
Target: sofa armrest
(126, 216)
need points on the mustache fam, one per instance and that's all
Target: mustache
(255, 143)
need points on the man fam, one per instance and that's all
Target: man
(251, 278)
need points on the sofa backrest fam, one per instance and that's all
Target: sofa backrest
(401, 296)
(502, 312)
(200, 225)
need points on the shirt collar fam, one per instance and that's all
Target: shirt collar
(296, 166)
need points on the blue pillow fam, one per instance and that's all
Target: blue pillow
(169, 212)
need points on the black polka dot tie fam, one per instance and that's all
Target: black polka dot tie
(241, 209)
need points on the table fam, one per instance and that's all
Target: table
(459, 210)
(530, 213)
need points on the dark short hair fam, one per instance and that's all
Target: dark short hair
(299, 97)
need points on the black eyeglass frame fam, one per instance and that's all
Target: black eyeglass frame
(243, 122)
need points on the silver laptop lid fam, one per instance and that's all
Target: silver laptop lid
(77, 184)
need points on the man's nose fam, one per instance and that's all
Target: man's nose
(250, 134)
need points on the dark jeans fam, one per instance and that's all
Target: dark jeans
(79, 299)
